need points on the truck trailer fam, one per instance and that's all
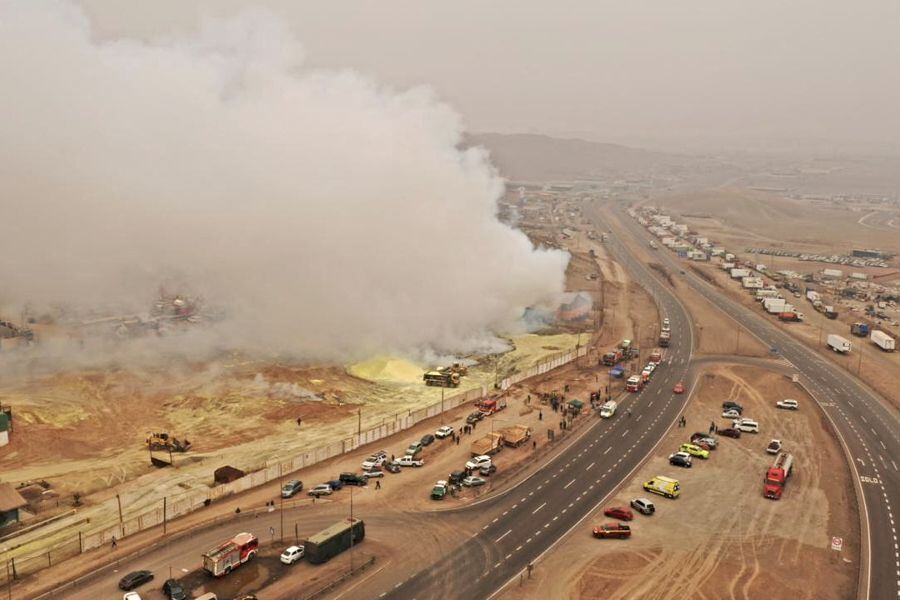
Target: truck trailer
(838, 343)
(330, 542)
(883, 341)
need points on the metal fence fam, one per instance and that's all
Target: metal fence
(85, 540)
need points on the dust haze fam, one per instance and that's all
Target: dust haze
(325, 215)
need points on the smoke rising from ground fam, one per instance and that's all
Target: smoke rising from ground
(329, 216)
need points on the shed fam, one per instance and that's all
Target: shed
(576, 405)
(10, 503)
(227, 474)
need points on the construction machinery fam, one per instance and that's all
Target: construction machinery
(445, 376)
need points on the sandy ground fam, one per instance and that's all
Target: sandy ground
(721, 538)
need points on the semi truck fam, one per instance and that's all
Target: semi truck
(838, 343)
(228, 556)
(330, 542)
(860, 329)
(883, 341)
(777, 475)
(664, 338)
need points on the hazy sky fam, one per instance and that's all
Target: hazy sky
(613, 70)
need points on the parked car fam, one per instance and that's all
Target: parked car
(374, 473)
(695, 450)
(705, 441)
(439, 490)
(679, 388)
(731, 414)
(413, 449)
(774, 447)
(619, 512)
(473, 481)
(643, 506)
(335, 484)
(730, 404)
(131, 596)
(443, 432)
(354, 479)
(134, 579)
(681, 459)
(788, 404)
(372, 462)
(747, 425)
(730, 432)
(612, 531)
(457, 477)
(292, 554)
(392, 467)
(323, 489)
(488, 470)
(409, 461)
(478, 462)
(173, 590)
(474, 417)
(291, 487)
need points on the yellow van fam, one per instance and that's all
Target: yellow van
(664, 486)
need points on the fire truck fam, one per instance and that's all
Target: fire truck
(226, 557)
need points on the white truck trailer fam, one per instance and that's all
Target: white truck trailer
(883, 341)
(838, 343)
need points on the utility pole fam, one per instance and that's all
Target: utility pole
(351, 528)
(359, 422)
(442, 405)
(281, 497)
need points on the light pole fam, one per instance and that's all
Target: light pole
(281, 498)
(351, 528)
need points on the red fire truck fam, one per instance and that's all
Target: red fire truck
(226, 557)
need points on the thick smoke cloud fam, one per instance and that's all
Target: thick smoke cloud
(331, 217)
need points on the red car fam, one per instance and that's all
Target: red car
(612, 530)
(619, 512)
(679, 388)
(730, 432)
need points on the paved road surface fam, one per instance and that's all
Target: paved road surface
(864, 420)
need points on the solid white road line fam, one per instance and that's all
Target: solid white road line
(503, 536)
(539, 508)
(568, 484)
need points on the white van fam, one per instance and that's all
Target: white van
(747, 425)
(608, 409)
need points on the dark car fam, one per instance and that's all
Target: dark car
(173, 590)
(392, 467)
(134, 579)
(488, 470)
(730, 432)
(291, 487)
(426, 440)
(354, 479)
(335, 484)
(679, 459)
(474, 417)
(457, 477)
(730, 404)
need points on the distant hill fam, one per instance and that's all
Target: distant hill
(531, 157)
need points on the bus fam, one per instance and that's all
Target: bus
(332, 541)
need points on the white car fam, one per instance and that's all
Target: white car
(746, 425)
(409, 461)
(478, 462)
(666, 323)
(444, 432)
(373, 474)
(731, 414)
(376, 460)
(323, 489)
(131, 596)
(651, 366)
(774, 447)
(292, 555)
(788, 404)
(473, 481)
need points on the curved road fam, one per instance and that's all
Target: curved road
(865, 422)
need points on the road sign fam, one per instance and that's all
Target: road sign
(837, 543)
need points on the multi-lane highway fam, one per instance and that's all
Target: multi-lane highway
(523, 524)
(867, 425)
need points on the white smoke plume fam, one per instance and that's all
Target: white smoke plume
(330, 216)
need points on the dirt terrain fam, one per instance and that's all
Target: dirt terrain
(721, 538)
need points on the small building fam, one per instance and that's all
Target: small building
(832, 273)
(859, 276)
(10, 504)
